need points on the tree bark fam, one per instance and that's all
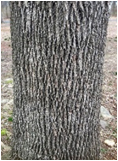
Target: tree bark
(58, 50)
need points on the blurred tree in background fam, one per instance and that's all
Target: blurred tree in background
(5, 12)
(114, 8)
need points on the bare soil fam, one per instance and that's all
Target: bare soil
(109, 94)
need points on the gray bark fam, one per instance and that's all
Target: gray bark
(58, 50)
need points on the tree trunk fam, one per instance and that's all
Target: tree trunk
(114, 8)
(58, 50)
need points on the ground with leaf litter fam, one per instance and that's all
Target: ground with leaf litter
(109, 94)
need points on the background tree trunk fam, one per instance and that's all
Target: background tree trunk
(114, 8)
(58, 50)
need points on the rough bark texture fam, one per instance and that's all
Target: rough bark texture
(58, 50)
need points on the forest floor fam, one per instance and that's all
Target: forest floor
(109, 94)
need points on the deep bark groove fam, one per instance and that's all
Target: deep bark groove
(58, 50)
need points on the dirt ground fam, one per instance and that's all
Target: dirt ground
(109, 94)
